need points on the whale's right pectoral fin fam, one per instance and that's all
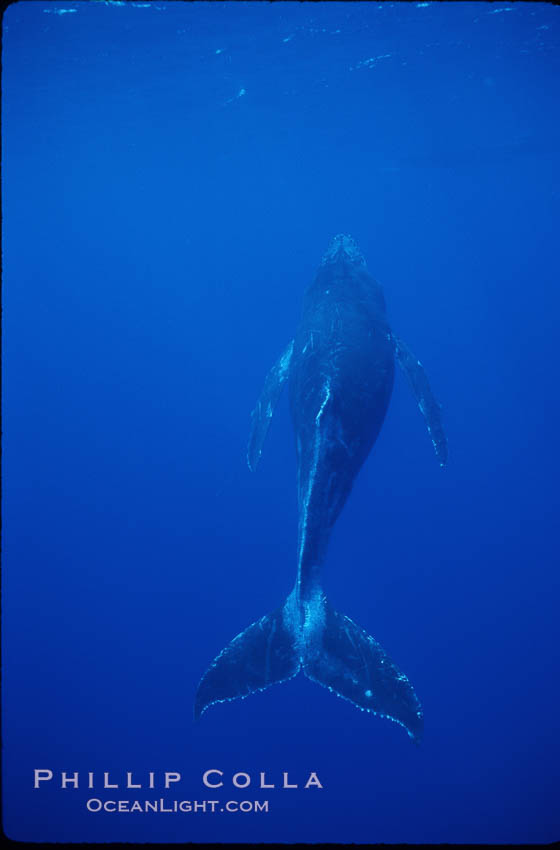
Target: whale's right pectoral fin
(427, 403)
(262, 414)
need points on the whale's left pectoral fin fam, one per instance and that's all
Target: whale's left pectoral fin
(262, 414)
(428, 405)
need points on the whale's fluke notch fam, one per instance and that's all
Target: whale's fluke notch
(427, 403)
(268, 399)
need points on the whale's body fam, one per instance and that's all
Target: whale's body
(340, 367)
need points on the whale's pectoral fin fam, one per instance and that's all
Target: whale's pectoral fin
(348, 661)
(262, 655)
(428, 405)
(262, 414)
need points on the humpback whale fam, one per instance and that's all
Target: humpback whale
(340, 366)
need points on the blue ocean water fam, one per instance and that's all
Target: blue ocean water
(172, 174)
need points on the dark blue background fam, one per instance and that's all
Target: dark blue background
(159, 231)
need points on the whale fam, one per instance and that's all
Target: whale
(340, 368)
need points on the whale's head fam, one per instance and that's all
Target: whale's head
(343, 248)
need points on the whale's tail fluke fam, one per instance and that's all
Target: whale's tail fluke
(328, 648)
(348, 661)
(262, 655)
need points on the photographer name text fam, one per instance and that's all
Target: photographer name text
(212, 778)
